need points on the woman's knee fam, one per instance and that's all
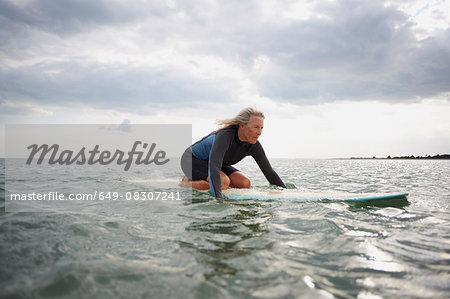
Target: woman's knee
(225, 180)
(239, 180)
(243, 183)
(246, 183)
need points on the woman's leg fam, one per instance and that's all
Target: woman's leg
(239, 180)
(204, 184)
(195, 172)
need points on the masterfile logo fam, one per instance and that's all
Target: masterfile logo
(91, 157)
(93, 163)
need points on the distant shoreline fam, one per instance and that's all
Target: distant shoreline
(428, 157)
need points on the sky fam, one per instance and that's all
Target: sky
(335, 79)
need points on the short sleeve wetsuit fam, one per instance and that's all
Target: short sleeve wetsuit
(218, 151)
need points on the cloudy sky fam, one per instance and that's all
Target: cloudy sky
(334, 78)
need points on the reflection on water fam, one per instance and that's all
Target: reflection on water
(221, 240)
(393, 202)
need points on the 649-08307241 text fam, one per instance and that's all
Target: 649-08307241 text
(97, 196)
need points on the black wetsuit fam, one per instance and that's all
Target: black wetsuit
(218, 151)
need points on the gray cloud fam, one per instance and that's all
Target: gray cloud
(355, 50)
(119, 87)
(65, 17)
(363, 51)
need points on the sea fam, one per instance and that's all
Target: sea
(195, 246)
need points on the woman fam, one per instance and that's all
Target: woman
(207, 163)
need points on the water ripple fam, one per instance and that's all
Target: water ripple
(251, 249)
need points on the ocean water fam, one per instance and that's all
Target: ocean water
(204, 248)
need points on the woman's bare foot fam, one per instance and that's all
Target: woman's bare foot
(198, 185)
(204, 184)
(185, 182)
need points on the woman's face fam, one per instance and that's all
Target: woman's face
(251, 131)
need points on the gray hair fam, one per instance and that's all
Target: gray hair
(243, 117)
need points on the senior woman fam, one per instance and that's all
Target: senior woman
(207, 164)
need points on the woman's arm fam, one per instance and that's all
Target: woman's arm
(260, 157)
(220, 145)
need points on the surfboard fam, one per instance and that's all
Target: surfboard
(300, 195)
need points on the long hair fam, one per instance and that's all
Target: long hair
(243, 117)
